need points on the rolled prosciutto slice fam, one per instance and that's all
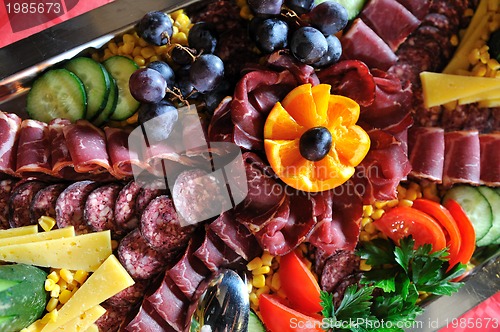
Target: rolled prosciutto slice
(60, 157)
(426, 153)
(87, 147)
(10, 126)
(490, 159)
(461, 158)
(33, 150)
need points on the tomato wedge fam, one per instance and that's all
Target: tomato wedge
(446, 220)
(402, 221)
(277, 317)
(466, 231)
(299, 284)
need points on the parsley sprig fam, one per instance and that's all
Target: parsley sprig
(391, 288)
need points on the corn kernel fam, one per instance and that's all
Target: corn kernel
(411, 194)
(392, 203)
(128, 38)
(139, 60)
(128, 48)
(56, 290)
(47, 223)
(371, 228)
(367, 210)
(66, 275)
(364, 236)
(62, 283)
(269, 279)
(136, 51)
(50, 317)
(254, 299)
(65, 296)
(493, 64)
(406, 202)
(365, 221)
(254, 264)
(380, 204)
(53, 276)
(180, 38)
(52, 304)
(246, 13)
(261, 270)
(80, 276)
(377, 214)
(182, 21)
(479, 70)
(263, 290)
(259, 281)
(454, 40)
(276, 282)
(363, 266)
(142, 42)
(267, 259)
(49, 285)
(249, 287)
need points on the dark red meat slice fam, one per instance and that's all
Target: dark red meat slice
(393, 31)
(126, 217)
(70, 206)
(10, 126)
(33, 149)
(6, 187)
(99, 209)
(44, 202)
(112, 318)
(461, 158)
(490, 159)
(59, 153)
(20, 202)
(149, 191)
(221, 128)
(419, 8)
(130, 296)
(337, 268)
(189, 271)
(138, 258)
(170, 303)
(118, 151)
(161, 227)
(148, 320)
(426, 147)
(360, 42)
(214, 253)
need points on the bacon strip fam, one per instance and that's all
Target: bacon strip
(426, 146)
(10, 126)
(33, 151)
(490, 159)
(462, 158)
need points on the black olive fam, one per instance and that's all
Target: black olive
(315, 143)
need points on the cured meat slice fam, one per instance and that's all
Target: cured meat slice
(148, 320)
(461, 158)
(419, 8)
(362, 43)
(44, 202)
(337, 268)
(125, 214)
(490, 159)
(395, 30)
(20, 202)
(170, 303)
(70, 206)
(189, 271)
(149, 191)
(112, 318)
(6, 187)
(161, 227)
(99, 209)
(221, 127)
(214, 253)
(426, 153)
(131, 295)
(235, 236)
(138, 258)
(10, 126)
(87, 147)
(33, 154)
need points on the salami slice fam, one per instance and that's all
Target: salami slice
(130, 296)
(148, 192)
(6, 187)
(139, 259)
(126, 217)
(70, 206)
(99, 209)
(20, 202)
(112, 318)
(161, 227)
(44, 202)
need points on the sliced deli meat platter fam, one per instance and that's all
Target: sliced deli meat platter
(254, 165)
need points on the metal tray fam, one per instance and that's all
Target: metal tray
(28, 58)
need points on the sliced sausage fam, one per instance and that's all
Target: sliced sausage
(99, 209)
(112, 319)
(161, 227)
(337, 268)
(125, 212)
(139, 259)
(44, 202)
(130, 296)
(71, 204)
(6, 187)
(20, 202)
(148, 192)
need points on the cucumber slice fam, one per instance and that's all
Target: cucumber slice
(104, 115)
(254, 323)
(57, 94)
(475, 205)
(494, 200)
(96, 81)
(353, 7)
(121, 68)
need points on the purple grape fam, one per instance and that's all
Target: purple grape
(329, 17)
(182, 55)
(265, 7)
(147, 85)
(158, 120)
(165, 70)
(308, 45)
(300, 6)
(333, 53)
(271, 35)
(155, 28)
(206, 72)
(202, 37)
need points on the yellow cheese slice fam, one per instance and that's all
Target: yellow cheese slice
(11, 232)
(83, 322)
(83, 252)
(93, 328)
(482, 96)
(490, 103)
(52, 235)
(439, 89)
(460, 58)
(109, 279)
(479, 15)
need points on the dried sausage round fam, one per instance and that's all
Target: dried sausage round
(44, 202)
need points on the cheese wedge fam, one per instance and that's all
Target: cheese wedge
(490, 103)
(109, 279)
(93, 328)
(83, 252)
(83, 322)
(479, 14)
(482, 96)
(439, 89)
(37, 237)
(11, 232)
